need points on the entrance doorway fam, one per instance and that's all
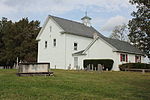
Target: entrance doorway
(75, 62)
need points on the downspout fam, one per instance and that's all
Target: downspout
(65, 50)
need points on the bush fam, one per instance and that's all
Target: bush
(107, 63)
(134, 66)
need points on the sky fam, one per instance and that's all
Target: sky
(105, 14)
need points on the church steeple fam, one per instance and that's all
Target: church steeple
(86, 20)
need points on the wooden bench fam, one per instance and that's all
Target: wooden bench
(36, 74)
(138, 70)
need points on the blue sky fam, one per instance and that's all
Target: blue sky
(105, 14)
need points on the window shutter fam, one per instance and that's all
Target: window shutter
(135, 59)
(120, 57)
(126, 58)
(140, 58)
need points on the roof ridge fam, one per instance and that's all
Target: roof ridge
(64, 19)
(70, 20)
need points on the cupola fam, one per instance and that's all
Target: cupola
(86, 20)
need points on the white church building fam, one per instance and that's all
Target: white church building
(65, 43)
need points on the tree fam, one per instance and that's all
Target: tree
(26, 46)
(17, 39)
(120, 33)
(6, 42)
(139, 26)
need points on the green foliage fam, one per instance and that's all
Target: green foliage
(134, 66)
(75, 85)
(17, 39)
(139, 26)
(107, 63)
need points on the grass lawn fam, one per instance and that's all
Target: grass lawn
(74, 85)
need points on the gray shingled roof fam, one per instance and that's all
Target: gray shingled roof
(123, 46)
(75, 28)
(80, 29)
(79, 52)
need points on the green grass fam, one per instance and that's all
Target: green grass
(74, 85)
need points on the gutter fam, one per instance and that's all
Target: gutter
(129, 52)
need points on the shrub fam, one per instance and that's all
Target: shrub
(134, 66)
(107, 63)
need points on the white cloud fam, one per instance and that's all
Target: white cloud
(5, 9)
(114, 21)
(14, 9)
(98, 21)
(61, 6)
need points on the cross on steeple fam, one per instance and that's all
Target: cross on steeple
(86, 13)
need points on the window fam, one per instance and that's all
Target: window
(124, 57)
(75, 46)
(54, 42)
(50, 28)
(137, 59)
(45, 44)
